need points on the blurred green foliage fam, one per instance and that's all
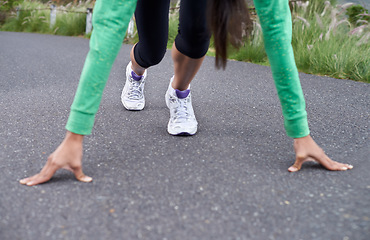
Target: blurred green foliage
(356, 13)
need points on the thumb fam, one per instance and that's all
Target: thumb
(299, 160)
(80, 176)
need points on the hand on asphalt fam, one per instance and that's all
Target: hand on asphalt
(306, 149)
(68, 156)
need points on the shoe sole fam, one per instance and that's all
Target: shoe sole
(132, 108)
(182, 133)
(190, 132)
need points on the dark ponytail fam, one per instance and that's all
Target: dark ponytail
(227, 20)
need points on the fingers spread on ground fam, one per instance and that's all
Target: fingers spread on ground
(333, 165)
(49, 170)
(39, 179)
(327, 163)
(345, 167)
(29, 179)
(24, 180)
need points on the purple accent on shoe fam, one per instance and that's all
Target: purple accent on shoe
(182, 94)
(135, 76)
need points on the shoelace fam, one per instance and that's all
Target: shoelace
(135, 90)
(181, 110)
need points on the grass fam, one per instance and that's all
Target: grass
(325, 42)
(252, 49)
(172, 28)
(70, 24)
(35, 17)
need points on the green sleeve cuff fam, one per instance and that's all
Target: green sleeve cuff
(80, 123)
(297, 128)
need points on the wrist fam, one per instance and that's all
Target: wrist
(302, 138)
(74, 137)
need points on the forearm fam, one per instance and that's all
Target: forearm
(110, 22)
(275, 18)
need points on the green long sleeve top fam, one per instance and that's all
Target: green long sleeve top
(110, 21)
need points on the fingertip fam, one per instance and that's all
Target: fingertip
(85, 179)
(293, 169)
(29, 183)
(347, 167)
(22, 181)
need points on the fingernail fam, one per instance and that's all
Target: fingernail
(29, 184)
(87, 179)
(344, 168)
(22, 181)
(350, 166)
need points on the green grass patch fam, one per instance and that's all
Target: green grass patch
(34, 16)
(324, 43)
(70, 24)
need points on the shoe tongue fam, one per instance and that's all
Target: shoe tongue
(182, 94)
(135, 76)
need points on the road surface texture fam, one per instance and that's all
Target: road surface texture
(228, 182)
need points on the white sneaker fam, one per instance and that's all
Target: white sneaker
(182, 119)
(132, 96)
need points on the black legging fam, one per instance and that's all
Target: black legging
(151, 16)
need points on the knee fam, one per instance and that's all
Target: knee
(155, 57)
(149, 57)
(194, 42)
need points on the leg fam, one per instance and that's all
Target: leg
(152, 25)
(185, 69)
(191, 43)
(139, 70)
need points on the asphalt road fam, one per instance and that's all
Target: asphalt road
(229, 181)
